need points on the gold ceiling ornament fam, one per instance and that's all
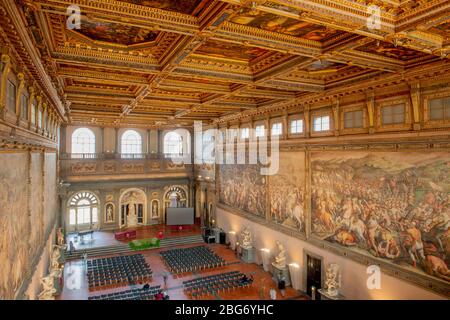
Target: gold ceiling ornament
(442, 52)
(253, 5)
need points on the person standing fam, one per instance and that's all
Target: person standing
(282, 285)
(165, 277)
(273, 294)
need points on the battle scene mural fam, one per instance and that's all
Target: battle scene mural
(287, 192)
(394, 206)
(243, 187)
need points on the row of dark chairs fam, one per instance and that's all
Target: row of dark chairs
(191, 259)
(118, 270)
(215, 284)
(132, 294)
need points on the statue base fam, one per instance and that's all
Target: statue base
(281, 271)
(248, 255)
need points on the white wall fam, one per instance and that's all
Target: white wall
(354, 275)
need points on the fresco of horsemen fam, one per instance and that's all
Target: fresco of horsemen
(394, 206)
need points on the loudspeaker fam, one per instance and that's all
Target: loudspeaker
(210, 239)
(223, 237)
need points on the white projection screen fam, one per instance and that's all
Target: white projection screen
(180, 216)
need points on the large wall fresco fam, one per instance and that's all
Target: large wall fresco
(244, 188)
(287, 192)
(394, 206)
(22, 233)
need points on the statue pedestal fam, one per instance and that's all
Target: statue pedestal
(326, 296)
(248, 255)
(216, 232)
(277, 271)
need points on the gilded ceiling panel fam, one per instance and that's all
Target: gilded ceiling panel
(285, 25)
(230, 51)
(389, 50)
(181, 6)
(116, 33)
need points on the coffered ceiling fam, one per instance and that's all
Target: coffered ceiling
(170, 62)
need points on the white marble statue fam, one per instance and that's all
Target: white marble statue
(280, 259)
(56, 255)
(109, 214)
(132, 216)
(60, 237)
(332, 279)
(48, 288)
(246, 238)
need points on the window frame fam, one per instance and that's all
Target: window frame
(131, 149)
(392, 114)
(279, 124)
(321, 116)
(88, 146)
(179, 144)
(291, 127)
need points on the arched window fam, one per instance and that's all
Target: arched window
(173, 144)
(131, 144)
(83, 211)
(83, 141)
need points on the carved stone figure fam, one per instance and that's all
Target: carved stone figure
(132, 216)
(332, 279)
(155, 209)
(246, 238)
(60, 237)
(48, 288)
(109, 213)
(280, 259)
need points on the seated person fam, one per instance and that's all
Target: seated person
(244, 279)
(159, 295)
(146, 286)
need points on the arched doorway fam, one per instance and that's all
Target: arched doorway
(175, 197)
(133, 204)
(83, 212)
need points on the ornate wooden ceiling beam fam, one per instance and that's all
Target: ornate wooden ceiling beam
(439, 69)
(117, 11)
(33, 56)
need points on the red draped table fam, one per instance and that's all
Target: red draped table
(125, 235)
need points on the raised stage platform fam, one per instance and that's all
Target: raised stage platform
(107, 238)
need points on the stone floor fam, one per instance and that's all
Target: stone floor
(76, 288)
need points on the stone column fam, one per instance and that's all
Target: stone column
(38, 107)
(32, 92)
(116, 130)
(307, 119)
(102, 140)
(21, 78)
(370, 103)
(416, 103)
(285, 133)
(336, 117)
(44, 120)
(148, 141)
(6, 60)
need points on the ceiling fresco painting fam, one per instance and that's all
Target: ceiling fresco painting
(220, 51)
(285, 25)
(116, 33)
(181, 6)
(226, 50)
(389, 50)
